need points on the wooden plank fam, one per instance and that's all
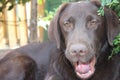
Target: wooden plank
(21, 12)
(41, 34)
(11, 27)
(41, 14)
(41, 9)
(2, 30)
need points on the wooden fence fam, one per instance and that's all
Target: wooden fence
(14, 26)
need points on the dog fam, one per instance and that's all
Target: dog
(80, 42)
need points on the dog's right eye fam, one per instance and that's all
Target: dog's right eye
(68, 26)
(66, 23)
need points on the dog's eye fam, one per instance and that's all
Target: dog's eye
(68, 26)
(66, 23)
(92, 24)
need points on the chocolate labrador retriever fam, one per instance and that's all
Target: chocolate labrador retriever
(85, 40)
(80, 42)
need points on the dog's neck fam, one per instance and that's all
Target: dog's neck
(65, 68)
(104, 54)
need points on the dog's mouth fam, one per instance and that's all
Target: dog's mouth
(85, 70)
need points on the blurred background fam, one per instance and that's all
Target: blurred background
(25, 21)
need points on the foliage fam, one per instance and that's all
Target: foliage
(12, 2)
(116, 48)
(113, 4)
(43, 22)
(49, 14)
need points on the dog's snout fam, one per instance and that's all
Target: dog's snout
(78, 49)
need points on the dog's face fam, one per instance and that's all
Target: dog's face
(83, 34)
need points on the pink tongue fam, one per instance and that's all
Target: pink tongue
(83, 68)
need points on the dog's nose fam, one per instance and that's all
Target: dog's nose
(80, 49)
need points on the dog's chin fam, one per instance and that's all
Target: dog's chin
(85, 70)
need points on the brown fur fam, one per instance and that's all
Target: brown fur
(52, 60)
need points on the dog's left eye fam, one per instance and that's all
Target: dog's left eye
(92, 24)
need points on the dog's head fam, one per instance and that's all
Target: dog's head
(81, 32)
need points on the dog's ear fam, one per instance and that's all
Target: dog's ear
(112, 25)
(54, 32)
(96, 3)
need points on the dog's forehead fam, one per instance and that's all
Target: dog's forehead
(82, 7)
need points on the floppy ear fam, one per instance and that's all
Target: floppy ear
(112, 24)
(54, 32)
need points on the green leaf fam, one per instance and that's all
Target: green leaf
(101, 11)
(115, 1)
(116, 46)
(2, 1)
(103, 2)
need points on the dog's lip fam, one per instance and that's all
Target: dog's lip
(85, 70)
